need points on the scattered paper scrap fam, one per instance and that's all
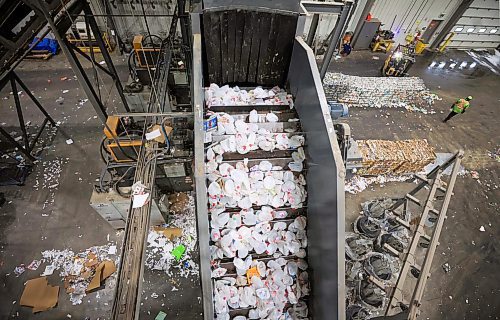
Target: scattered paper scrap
(19, 270)
(65, 91)
(482, 229)
(140, 200)
(34, 265)
(153, 134)
(39, 295)
(69, 141)
(48, 270)
(161, 316)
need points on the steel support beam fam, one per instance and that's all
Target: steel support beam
(316, 7)
(19, 112)
(312, 30)
(462, 7)
(33, 98)
(16, 144)
(368, 7)
(105, 54)
(76, 66)
(339, 26)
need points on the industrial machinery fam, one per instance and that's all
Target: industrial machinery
(82, 37)
(382, 41)
(399, 62)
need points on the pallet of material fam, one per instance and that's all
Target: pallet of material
(395, 157)
(39, 54)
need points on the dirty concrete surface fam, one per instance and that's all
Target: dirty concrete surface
(26, 229)
(472, 282)
(470, 289)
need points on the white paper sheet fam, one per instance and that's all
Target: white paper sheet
(153, 134)
(140, 200)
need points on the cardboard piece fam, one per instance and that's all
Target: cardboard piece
(39, 295)
(169, 233)
(156, 133)
(103, 271)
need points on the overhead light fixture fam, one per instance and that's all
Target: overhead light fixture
(482, 30)
(458, 29)
(470, 30)
(493, 30)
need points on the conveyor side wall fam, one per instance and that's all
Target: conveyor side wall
(325, 186)
(199, 170)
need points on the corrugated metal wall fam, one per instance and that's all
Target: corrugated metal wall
(407, 16)
(479, 26)
(401, 16)
(128, 27)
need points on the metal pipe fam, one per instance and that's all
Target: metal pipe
(339, 26)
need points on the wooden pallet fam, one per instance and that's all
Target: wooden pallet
(39, 55)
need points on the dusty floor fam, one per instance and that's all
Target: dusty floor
(26, 229)
(470, 290)
(71, 223)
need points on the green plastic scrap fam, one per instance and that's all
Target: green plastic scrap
(178, 252)
(161, 316)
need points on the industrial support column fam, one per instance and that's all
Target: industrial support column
(105, 53)
(366, 10)
(464, 5)
(339, 26)
(75, 66)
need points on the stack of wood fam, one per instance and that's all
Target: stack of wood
(395, 157)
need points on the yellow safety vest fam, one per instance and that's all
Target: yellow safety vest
(460, 105)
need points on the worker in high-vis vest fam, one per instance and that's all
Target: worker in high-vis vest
(458, 107)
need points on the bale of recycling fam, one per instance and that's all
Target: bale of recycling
(395, 157)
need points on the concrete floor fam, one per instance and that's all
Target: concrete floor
(470, 289)
(24, 232)
(70, 222)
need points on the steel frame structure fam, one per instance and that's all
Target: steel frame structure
(424, 237)
(27, 147)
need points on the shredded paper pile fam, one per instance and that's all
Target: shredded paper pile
(409, 93)
(395, 157)
(178, 234)
(246, 202)
(82, 272)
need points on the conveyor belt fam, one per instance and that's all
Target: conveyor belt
(289, 125)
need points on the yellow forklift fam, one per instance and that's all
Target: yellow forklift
(400, 61)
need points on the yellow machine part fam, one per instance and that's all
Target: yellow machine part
(420, 47)
(112, 122)
(129, 147)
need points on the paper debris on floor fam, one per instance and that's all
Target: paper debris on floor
(358, 183)
(409, 93)
(39, 295)
(81, 272)
(69, 141)
(161, 316)
(395, 157)
(34, 265)
(180, 231)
